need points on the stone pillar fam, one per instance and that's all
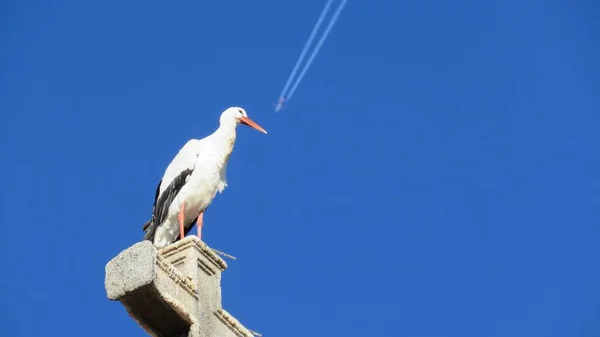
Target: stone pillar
(175, 291)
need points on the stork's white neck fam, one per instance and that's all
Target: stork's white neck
(224, 136)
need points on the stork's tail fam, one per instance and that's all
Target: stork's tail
(150, 229)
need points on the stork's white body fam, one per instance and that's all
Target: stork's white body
(208, 158)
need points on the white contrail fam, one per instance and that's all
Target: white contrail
(306, 46)
(316, 50)
(286, 97)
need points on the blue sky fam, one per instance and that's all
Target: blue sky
(435, 174)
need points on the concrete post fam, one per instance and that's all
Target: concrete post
(173, 292)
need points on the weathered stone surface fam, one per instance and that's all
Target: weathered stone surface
(172, 292)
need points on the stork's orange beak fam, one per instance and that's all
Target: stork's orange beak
(249, 122)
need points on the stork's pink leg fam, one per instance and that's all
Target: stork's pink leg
(199, 223)
(180, 217)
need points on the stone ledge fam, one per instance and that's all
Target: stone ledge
(233, 323)
(194, 241)
(133, 268)
(154, 293)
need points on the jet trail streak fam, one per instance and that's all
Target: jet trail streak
(283, 97)
(317, 48)
(306, 46)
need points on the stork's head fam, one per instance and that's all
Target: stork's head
(239, 116)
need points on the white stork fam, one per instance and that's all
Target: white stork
(192, 180)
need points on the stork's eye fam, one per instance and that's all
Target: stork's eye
(241, 111)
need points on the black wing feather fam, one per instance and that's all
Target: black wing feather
(149, 222)
(161, 205)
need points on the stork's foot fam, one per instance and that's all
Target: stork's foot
(199, 223)
(180, 218)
